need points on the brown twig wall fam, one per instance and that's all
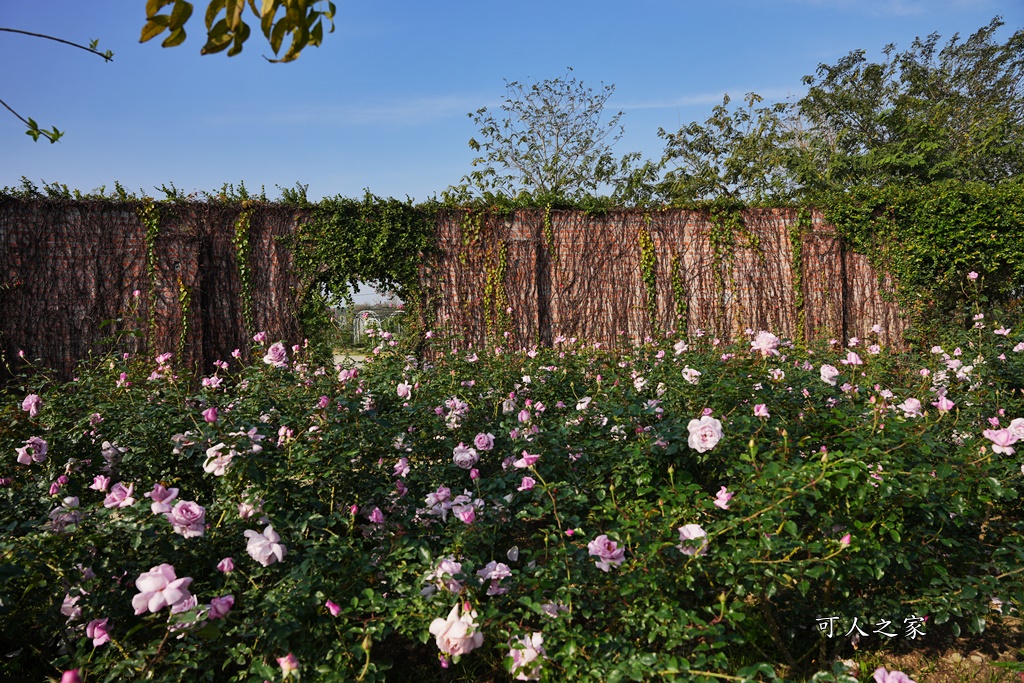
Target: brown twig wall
(68, 271)
(581, 275)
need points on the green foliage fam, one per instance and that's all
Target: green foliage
(844, 506)
(930, 236)
(649, 274)
(550, 142)
(149, 215)
(344, 242)
(302, 20)
(243, 249)
(738, 155)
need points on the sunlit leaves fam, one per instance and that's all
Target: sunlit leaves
(301, 20)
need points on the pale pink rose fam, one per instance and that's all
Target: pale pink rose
(289, 665)
(120, 496)
(97, 630)
(277, 355)
(333, 608)
(526, 651)
(210, 414)
(527, 484)
(722, 498)
(944, 404)
(217, 463)
(101, 483)
(260, 337)
(761, 410)
(227, 565)
(852, 359)
(524, 415)
(705, 433)
(220, 607)
(71, 676)
(457, 635)
(607, 551)
(465, 513)
(845, 540)
(829, 374)
(690, 375)
(464, 456)
(402, 467)
(376, 516)
(32, 404)
(484, 442)
(188, 518)
(911, 407)
(692, 532)
(972, 276)
(444, 573)
(882, 675)
(1016, 427)
(159, 588)
(404, 390)
(34, 450)
(162, 498)
(1001, 440)
(526, 461)
(494, 572)
(265, 547)
(766, 343)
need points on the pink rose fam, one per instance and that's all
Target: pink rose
(446, 569)
(227, 565)
(265, 547)
(161, 498)
(882, 675)
(944, 404)
(188, 518)
(911, 407)
(71, 676)
(220, 607)
(464, 456)
(1001, 440)
(277, 355)
(829, 374)
(289, 664)
(722, 498)
(97, 630)
(607, 551)
(456, 635)
(528, 483)
(761, 410)
(120, 496)
(692, 532)
(32, 404)
(34, 450)
(404, 390)
(705, 433)
(333, 608)
(484, 442)
(525, 652)
(526, 461)
(766, 343)
(210, 414)
(159, 588)
(100, 483)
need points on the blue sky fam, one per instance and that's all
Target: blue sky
(382, 104)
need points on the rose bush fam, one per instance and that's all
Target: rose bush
(675, 511)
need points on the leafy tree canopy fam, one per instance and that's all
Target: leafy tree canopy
(300, 20)
(923, 115)
(550, 141)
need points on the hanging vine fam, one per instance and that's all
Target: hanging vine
(796, 242)
(149, 215)
(495, 297)
(185, 302)
(679, 295)
(243, 249)
(648, 273)
(549, 234)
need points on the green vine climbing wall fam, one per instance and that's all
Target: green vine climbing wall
(649, 274)
(243, 249)
(495, 297)
(796, 241)
(149, 214)
(679, 296)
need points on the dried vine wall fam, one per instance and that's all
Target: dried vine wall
(208, 275)
(620, 277)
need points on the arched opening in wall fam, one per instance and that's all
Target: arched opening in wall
(372, 316)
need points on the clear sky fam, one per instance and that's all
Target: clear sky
(382, 104)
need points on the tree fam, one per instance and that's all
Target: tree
(34, 131)
(741, 154)
(550, 142)
(226, 28)
(923, 115)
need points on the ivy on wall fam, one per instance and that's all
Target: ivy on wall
(796, 242)
(928, 237)
(243, 250)
(649, 274)
(149, 215)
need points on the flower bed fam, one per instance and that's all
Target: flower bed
(677, 512)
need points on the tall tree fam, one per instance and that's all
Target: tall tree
(550, 140)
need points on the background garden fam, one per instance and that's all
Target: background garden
(474, 503)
